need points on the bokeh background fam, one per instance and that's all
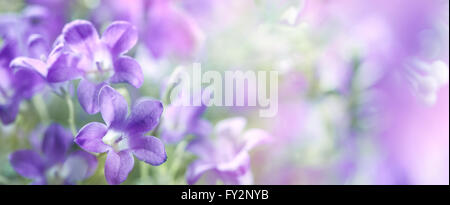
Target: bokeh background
(363, 85)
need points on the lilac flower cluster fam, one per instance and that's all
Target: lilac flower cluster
(50, 161)
(44, 55)
(227, 156)
(79, 53)
(359, 91)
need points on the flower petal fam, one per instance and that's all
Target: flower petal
(169, 31)
(90, 137)
(172, 136)
(63, 68)
(148, 149)
(231, 127)
(202, 128)
(8, 52)
(88, 95)
(78, 166)
(91, 161)
(81, 36)
(144, 116)
(254, 137)
(127, 70)
(113, 106)
(27, 163)
(196, 169)
(8, 112)
(27, 83)
(245, 178)
(118, 166)
(120, 36)
(29, 63)
(237, 165)
(202, 147)
(37, 46)
(55, 144)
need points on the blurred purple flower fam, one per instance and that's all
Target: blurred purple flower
(15, 87)
(24, 58)
(167, 28)
(226, 158)
(182, 120)
(26, 75)
(413, 136)
(49, 162)
(122, 136)
(96, 60)
(19, 32)
(54, 14)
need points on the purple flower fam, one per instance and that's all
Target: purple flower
(54, 13)
(123, 136)
(26, 75)
(96, 60)
(414, 136)
(170, 31)
(16, 87)
(17, 30)
(49, 161)
(167, 28)
(180, 121)
(226, 158)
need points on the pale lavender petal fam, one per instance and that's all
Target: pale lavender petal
(196, 169)
(144, 116)
(37, 46)
(79, 165)
(88, 95)
(127, 70)
(169, 31)
(91, 161)
(90, 137)
(55, 144)
(118, 166)
(236, 166)
(202, 147)
(148, 149)
(184, 120)
(254, 137)
(81, 36)
(27, 163)
(231, 127)
(120, 37)
(63, 68)
(39, 181)
(5, 77)
(29, 63)
(245, 178)
(202, 128)
(172, 136)
(113, 107)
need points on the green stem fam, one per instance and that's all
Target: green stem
(177, 159)
(71, 119)
(144, 173)
(41, 108)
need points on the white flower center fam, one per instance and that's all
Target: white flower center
(117, 140)
(101, 68)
